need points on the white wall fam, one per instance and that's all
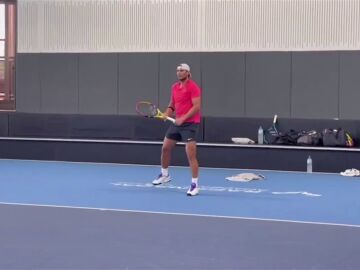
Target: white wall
(187, 25)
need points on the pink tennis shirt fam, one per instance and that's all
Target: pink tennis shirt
(182, 96)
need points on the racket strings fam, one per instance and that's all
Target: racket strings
(147, 109)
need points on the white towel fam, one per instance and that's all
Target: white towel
(242, 140)
(245, 177)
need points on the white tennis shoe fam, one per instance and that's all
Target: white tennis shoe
(351, 172)
(162, 179)
(193, 190)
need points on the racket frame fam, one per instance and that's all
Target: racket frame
(159, 114)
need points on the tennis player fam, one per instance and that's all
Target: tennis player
(185, 103)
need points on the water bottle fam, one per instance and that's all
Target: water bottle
(309, 165)
(260, 135)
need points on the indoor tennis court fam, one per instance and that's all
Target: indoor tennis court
(58, 215)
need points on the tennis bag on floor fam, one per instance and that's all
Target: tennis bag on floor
(337, 137)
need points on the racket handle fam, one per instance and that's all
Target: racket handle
(275, 118)
(170, 119)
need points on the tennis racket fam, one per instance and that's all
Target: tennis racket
(148, 109)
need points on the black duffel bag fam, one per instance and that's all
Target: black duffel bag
(337, 137)
(309, 138)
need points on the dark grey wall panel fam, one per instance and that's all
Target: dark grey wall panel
(138, 80)
(59, 83)
(28, 90)
(268, 84)
(349, 85)
(39, 125)
(98, 77)
(167, 76)
(223, 77)
(315, 85)
(4, 124)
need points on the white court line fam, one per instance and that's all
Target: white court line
(214, 189)
(181, 214)
(147, 165)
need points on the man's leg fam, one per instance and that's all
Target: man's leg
(166, 150)
(191, 155)
(194, 165)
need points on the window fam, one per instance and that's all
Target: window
(7, 54)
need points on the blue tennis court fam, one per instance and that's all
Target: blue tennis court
(62, 215)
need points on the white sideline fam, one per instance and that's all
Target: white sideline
(179, 214)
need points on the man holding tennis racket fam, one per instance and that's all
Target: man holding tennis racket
(185, 103)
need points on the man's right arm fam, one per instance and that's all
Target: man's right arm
(170, 109)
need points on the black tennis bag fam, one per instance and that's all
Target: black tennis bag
(337, 137)
(309, 138)
(287, 138)
(271, 135)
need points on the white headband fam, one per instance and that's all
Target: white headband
(184, 67)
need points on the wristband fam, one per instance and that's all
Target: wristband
(172, 108)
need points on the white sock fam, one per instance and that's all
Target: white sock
(195, 180)
(165, 172)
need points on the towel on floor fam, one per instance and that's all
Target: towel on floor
(245, 177)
